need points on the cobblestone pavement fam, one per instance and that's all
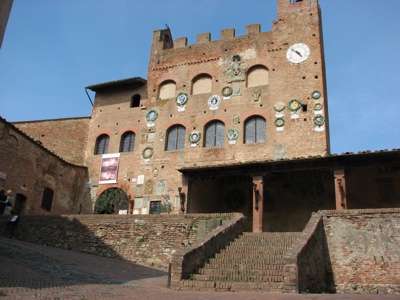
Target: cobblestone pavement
(30, 271)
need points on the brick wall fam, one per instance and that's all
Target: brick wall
(346, 252)
(28, 168)
(363, 250)
(304, 268)
(66, 137)
(146, 239)
(181, 63)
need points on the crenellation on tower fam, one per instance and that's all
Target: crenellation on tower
(203, 38)
(253, 29)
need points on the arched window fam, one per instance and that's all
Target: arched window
(255, 130)
(167, 90)
(215, 134)
(127, 142)
(176, 138)
(135, 101)
(202, 84)
(257, 75)
(102, 144)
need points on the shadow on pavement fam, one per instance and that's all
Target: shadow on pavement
(37, 266)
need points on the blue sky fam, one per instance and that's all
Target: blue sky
(53, 49)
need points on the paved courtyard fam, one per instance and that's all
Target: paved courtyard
(30, 271)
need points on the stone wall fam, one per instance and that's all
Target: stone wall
(363, 250)
(145, 239)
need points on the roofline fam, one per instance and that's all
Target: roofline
(132, 82)
(38, 144)
(332, 161)
(46, 120)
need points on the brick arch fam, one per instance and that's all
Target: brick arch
(170, 77)
(134, 129)
(254, 112)
(103, 131)
(207, 120)
(171, 123)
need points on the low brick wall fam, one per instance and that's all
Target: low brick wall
(146, 239)
(304, 262)
(363, 248)
(346, 252)
(188, 260)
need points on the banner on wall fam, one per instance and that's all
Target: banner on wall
(109, 168)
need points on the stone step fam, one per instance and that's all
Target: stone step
(249, 253)
(267, 259)
(260, 265)
(246, 278)
(252, 262)
(231, 286)
(274, 270)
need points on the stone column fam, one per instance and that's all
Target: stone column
(258, 203)
(340, 189)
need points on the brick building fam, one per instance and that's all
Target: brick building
(235, 124)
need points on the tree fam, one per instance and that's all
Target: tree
(110, 201)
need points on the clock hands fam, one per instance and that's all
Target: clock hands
(297, 52)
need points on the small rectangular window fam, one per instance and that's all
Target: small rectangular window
(154, 207)
(47, 199)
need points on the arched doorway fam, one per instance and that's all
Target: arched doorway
(111, 201)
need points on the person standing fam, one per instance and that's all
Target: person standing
(9, 203)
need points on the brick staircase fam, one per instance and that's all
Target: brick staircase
(254, 261)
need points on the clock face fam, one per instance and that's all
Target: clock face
(298, 53)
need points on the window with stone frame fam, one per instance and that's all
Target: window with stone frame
(176, 138)
(128, 142)
(214, 134)
(255, 130)
(102, 144)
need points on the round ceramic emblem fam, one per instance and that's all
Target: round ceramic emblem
(279, 106)
(152, 115)
(194, 137)
(294, 105)
(319, 120)
(316, 94)
(232, 134)
(227, 91)
(147, 152)
(318, 106)
(214, 101)
(279, 122)
(182, 98)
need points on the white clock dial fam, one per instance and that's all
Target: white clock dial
(298, 53)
